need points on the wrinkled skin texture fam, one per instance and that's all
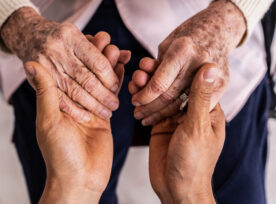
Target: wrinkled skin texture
(85, 78)
(209, 36)
(184, 149)
(78, 156)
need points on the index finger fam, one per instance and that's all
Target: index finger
(160, 82)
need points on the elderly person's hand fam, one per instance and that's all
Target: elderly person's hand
(78, 156)
(209, 36)
(184, 149)
(85, 78)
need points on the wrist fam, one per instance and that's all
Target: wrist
(68, 191)
(191, 191)
(204, 197)
(19, 28)
(233, 22)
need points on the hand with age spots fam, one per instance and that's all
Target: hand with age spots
(207, 37)
(85, 78)
(184, 149)
(78, 156)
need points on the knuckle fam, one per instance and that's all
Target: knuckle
(183, 44)
(101, 65)
(53, 46)
(108, 97)
(97, 108)
(166, 98)
(62, 104)
(66, 85)
(79, 72)
(68, 28)
(157, 87)
(205, 94)
(90, 84)
(75, 93)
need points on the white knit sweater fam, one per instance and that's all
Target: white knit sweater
(253, 11)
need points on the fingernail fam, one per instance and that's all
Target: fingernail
(138, 115)
(105, 114)
(115, 88)
(146, 122)
(30, 71)
(210, 75)
(86, 118)
(113, 106)
(135, 103)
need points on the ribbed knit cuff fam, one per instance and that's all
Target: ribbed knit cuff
(7, 7)
(253, 11)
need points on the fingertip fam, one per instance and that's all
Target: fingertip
(132, 88)
(102, 35)
(148, 64)
(208, 73)
(140, 78)
(125, 56)
(135, 102)
(30, 69)
(101, 40)
(106, 114)
(112, 53)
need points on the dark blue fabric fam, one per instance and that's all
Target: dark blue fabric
(239, 175)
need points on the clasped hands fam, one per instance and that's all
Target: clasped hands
(77, 80)
(184, 148)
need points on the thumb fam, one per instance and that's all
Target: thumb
(205, 84)
(46, 91)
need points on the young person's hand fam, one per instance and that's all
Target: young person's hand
(78, 156)
(85, 78)
(207, 37)
(184, 149)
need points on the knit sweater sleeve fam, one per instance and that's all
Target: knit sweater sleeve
(253, 11)
(7, 7)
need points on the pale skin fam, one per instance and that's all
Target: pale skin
(75, 64)
(207, 37)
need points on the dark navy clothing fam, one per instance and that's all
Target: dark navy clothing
(240, 172)
(239, 175)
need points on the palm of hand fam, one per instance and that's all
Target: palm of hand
(82, 151)
(183, 155)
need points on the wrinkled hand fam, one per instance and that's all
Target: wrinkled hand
(78, 156)
(209, 36)
(184, 149)
(85, 78)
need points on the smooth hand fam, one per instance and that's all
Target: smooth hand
(207, 37)
(85, 79)
(184, 149)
